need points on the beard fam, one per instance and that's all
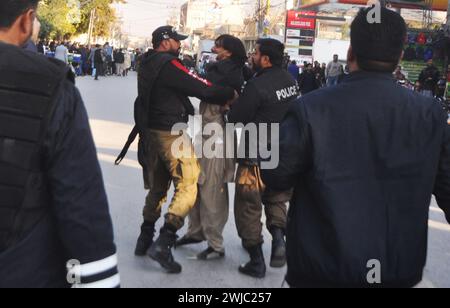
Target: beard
(256, 66)
(175, 52)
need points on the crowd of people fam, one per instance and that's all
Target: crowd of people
(430, 83)
(314, 76)
(96, 60)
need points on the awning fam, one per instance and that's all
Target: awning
(436, 5)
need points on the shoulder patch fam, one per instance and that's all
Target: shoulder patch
(181, 67)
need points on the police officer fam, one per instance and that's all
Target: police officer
(53, 206)
(164, 87)
(365, 158)
(265, 100)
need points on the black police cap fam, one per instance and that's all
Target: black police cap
(165, 33)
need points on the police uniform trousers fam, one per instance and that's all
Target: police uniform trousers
(170, 159)
(251, 194)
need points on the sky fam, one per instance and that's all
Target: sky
(141, 17)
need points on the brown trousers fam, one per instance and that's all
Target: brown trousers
(208, 218)
(251, 194)
(167, 162)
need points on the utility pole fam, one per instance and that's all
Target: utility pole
(285, 19)
(261, 12)
(206, 17)
(91, 26)
(448, 15)
(258, 19)
(266, 24)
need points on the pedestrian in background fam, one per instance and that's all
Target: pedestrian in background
(294, 70)
(98, 61)
(307, 80)
(62, 53)
(119, 58)
(333, 71)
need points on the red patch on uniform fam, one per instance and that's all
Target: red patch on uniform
(192, 74)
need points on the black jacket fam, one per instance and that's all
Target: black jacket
(98, 57)
(226, 73)
(119, 57)
(265, 100)
(78, 224)
(364, 158)
(169, 103)
(308, 82)
(429, 78)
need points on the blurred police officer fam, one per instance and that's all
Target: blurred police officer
(364, 158)
(265, 100)
(164, 87)
(53, 206)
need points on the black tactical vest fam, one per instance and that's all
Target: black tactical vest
(151, 64)
(28, 85)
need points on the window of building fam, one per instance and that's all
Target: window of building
(333, 30)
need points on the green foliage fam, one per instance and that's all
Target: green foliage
(62, 19)
(54, 16)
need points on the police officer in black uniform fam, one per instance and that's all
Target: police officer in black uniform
(364, 158)
(55, 227)
(165, 86)
(265, 100)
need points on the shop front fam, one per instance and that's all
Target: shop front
(321, 29)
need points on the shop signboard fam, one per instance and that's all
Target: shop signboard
(300, 34)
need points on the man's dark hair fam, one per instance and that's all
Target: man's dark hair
(273, 49)
(234, 46)
(378, 46)
(156, 44)
(10, 10)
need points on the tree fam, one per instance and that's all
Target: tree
(58, 18)
(64, 18)
(105, 16)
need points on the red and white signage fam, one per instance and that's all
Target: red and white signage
(301, 20)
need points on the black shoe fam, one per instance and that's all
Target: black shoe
(187, 241)
(145, 240)
(209, 254)
(278, 257)
(257, 266)
(161, 251)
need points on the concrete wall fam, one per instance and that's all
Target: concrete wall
(324, 50)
